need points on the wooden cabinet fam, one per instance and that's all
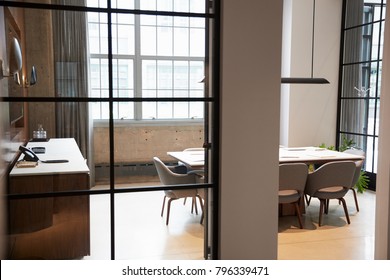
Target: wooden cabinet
(29, 215)
(55, 227)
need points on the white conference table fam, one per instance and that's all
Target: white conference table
(313, 155)
(193, 159)
(308, 155)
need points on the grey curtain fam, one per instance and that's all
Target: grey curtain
(70, 42)
(352, 117)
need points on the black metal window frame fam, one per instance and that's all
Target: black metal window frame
(365, 62)
(212, 115)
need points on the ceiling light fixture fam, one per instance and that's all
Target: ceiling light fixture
(311, 80)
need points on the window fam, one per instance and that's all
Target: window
(153, 56)
(360, 72)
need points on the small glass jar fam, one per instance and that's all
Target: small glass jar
(40, 133)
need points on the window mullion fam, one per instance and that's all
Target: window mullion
(137, 75)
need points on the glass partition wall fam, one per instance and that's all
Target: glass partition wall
(360, 79)
(128, 81)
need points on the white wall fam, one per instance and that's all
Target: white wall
(250, 117)
(382, 221)
(310, 111)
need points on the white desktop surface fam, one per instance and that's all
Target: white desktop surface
(313, 155)
(190, 158)
(286, 155)
(56, 148)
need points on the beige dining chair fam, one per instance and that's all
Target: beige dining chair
(292, 181)
(331, 180)
(359, 166)
(169, 177)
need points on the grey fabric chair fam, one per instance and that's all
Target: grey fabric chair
(168, 177)
(359, 165)
(188, 169)
(292, 181)
(331, 181)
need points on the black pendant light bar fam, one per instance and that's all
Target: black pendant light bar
(311, 80)
(304, 81)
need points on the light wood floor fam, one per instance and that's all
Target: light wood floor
(142, 234)
(335, 239)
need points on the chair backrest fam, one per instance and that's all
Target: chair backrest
(358, 163)
(167, 177)
(331, 174)
(292, 176)
(355, 152)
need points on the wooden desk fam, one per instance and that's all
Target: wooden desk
(54, 227)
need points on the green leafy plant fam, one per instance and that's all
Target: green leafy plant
(346, 144)
(325, 147)
(362, 183)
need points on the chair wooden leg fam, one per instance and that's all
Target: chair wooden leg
(298, 214)
(162, 210)
(322, 203)
(345, 209)
(202, 208)
(326, 206)
(169, 209)
(194, 206)
(355, 197)
(280, 209)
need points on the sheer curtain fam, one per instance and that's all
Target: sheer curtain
(70, 39)
(352, 117)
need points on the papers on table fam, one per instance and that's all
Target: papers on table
(312, 154)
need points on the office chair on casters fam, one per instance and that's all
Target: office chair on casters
(168, 177)
(359, 165)
(331, 181)
(292, 181)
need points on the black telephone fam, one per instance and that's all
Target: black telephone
(29, 155)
